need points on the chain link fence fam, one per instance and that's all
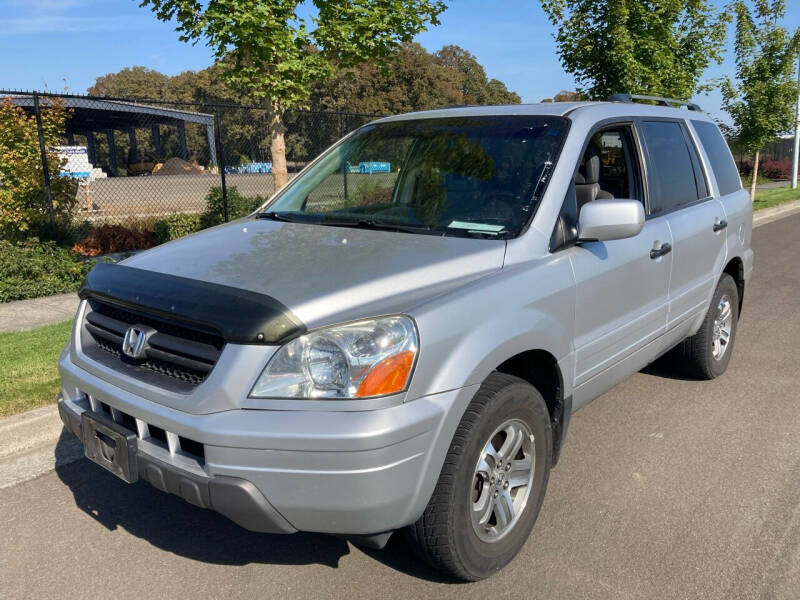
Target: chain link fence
(131, 161)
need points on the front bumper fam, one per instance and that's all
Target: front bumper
(279, 471)
(236, 498)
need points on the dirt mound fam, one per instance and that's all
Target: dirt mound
(177, 166)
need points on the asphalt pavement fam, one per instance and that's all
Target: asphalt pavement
(666, 488)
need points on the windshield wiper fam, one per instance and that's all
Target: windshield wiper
(315, 219)
(381, 226)
(287, 217)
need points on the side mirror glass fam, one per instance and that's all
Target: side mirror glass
(606, 220)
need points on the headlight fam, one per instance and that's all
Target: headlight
(357, 360)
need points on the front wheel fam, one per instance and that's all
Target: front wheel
(492, 483)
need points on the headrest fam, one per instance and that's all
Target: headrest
(589, 171)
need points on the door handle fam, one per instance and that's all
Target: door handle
(665, 248)
(720, 225)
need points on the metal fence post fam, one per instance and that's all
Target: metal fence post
(43, 151)
(796, 151)
(221, 162)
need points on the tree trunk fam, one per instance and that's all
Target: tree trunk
(755, 176)
(277, 148)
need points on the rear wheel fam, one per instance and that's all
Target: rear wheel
(492, 483)
(708, 352)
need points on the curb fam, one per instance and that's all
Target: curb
(768, 215)
(31, 443)
(28, 430)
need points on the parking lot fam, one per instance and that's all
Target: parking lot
(667, 488)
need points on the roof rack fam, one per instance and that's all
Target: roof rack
(629, 98)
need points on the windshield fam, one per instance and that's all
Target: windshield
(464, 176)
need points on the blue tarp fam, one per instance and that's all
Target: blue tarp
(253, 167)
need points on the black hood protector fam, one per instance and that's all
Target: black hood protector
(239, 316)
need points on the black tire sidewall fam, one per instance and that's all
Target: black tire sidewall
(516, 401)
(727, 286)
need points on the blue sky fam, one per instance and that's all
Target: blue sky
(53, 42)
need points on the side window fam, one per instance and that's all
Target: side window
(671, 173)
(719, 155)
(608, 168)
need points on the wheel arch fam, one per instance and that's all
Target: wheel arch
(540, 369)
(735, 268)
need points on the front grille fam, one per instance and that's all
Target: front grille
(176, 356)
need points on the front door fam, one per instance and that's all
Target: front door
(621, 302)
(621, 286)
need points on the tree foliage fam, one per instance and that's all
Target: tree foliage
(269, 52)
(418, 80)
(655, 47)
(24, 209)
(565, 96)
(761, 101)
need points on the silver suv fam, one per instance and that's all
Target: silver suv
(397, 339)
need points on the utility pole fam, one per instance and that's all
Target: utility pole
(796, 154)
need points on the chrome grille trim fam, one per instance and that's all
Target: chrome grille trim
(177, 358)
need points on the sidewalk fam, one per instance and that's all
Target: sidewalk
(29, 314)
(772, 185)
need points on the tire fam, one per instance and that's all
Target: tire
(445, 535)
(701, 352)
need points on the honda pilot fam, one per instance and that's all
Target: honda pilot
(397, 339)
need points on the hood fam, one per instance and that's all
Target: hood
(327, 274)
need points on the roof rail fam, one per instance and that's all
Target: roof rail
(629, 98)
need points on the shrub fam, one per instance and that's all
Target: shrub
(23, 201)
(238, 206)
(113, 238)
(176, 226)
(32, 269)
(770, 169)
(777, 169)
(371, 193)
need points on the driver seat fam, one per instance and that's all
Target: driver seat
(587, 179)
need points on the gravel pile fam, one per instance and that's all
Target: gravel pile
(178, 166)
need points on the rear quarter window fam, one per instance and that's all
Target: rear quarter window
(719, 155)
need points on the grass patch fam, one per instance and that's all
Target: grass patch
(28, 367)
(768, 198)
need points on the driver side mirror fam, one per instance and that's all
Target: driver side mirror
(606, 220)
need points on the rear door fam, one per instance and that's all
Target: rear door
(679, 192)
(735, 200)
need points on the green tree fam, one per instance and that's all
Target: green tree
(24, 210)
(132, 82)
(471, 80)
(418, 80)
(565, 96)
(268, 52)
(656, 47)
(761, 100)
